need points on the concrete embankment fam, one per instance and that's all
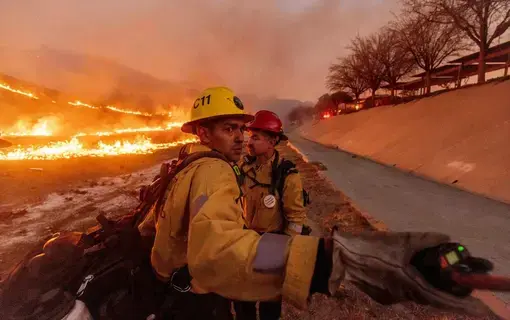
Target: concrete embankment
(460, 137)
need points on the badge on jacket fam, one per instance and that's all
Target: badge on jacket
(269, 201)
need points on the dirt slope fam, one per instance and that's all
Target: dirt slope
(457, 137)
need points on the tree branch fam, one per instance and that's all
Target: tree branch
(502, 27)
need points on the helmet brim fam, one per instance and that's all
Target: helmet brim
(281, 135)
(188, 126)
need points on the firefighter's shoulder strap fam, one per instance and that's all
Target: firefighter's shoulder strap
(210, 154)
(249, 160)
(169, 170)
(280, 172)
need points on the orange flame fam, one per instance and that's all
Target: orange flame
(25, 93)
(169, 126)
(74, 149)
(48, 126)
(45, 126)
(78, 103)
(129, 111)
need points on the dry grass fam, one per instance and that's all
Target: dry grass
(24, 195)
(330, 207)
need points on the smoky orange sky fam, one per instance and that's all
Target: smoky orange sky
(270, 48)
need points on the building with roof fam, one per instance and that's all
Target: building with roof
(497, 58)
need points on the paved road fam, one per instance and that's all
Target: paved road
(408, 203)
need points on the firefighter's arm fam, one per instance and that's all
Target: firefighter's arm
(148, 226)
(293, 204)
(237, 263)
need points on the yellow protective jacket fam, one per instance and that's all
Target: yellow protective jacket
(260, 213)
(201, 225)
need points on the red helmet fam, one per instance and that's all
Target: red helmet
(267, 121)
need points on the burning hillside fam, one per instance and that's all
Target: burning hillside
(25, 93)
(75, 148)
(70, 130)
(44, 126)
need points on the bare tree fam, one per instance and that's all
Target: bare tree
(396, 59)
(325, 104)
(341, 97)
(483, 21)
(366, 52)
(343, 76)
(428, 42)
(300, 114)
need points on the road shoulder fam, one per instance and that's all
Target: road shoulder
(331, 207)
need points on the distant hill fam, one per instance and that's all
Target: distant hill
(102, 81)
(38, 90)
(281, 107)
(31, 104)
(93, 78)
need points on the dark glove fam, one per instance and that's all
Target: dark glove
(323, 265)
(379, 264)
(427, 262)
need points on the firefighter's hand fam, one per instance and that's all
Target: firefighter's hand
(379, 264)
(428, 263)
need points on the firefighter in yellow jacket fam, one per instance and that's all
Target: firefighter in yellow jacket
(201, 248)
(274, 199)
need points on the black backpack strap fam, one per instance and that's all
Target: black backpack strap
(183, 153)
(247, 159)
(285, 169)
(280, 174)
(256, 183)
(275, 174)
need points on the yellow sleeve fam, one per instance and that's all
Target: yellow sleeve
(293, 207)
(238, 263)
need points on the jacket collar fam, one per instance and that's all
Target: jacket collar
(192, 148)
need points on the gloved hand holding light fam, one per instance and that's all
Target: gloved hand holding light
(393, 267)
